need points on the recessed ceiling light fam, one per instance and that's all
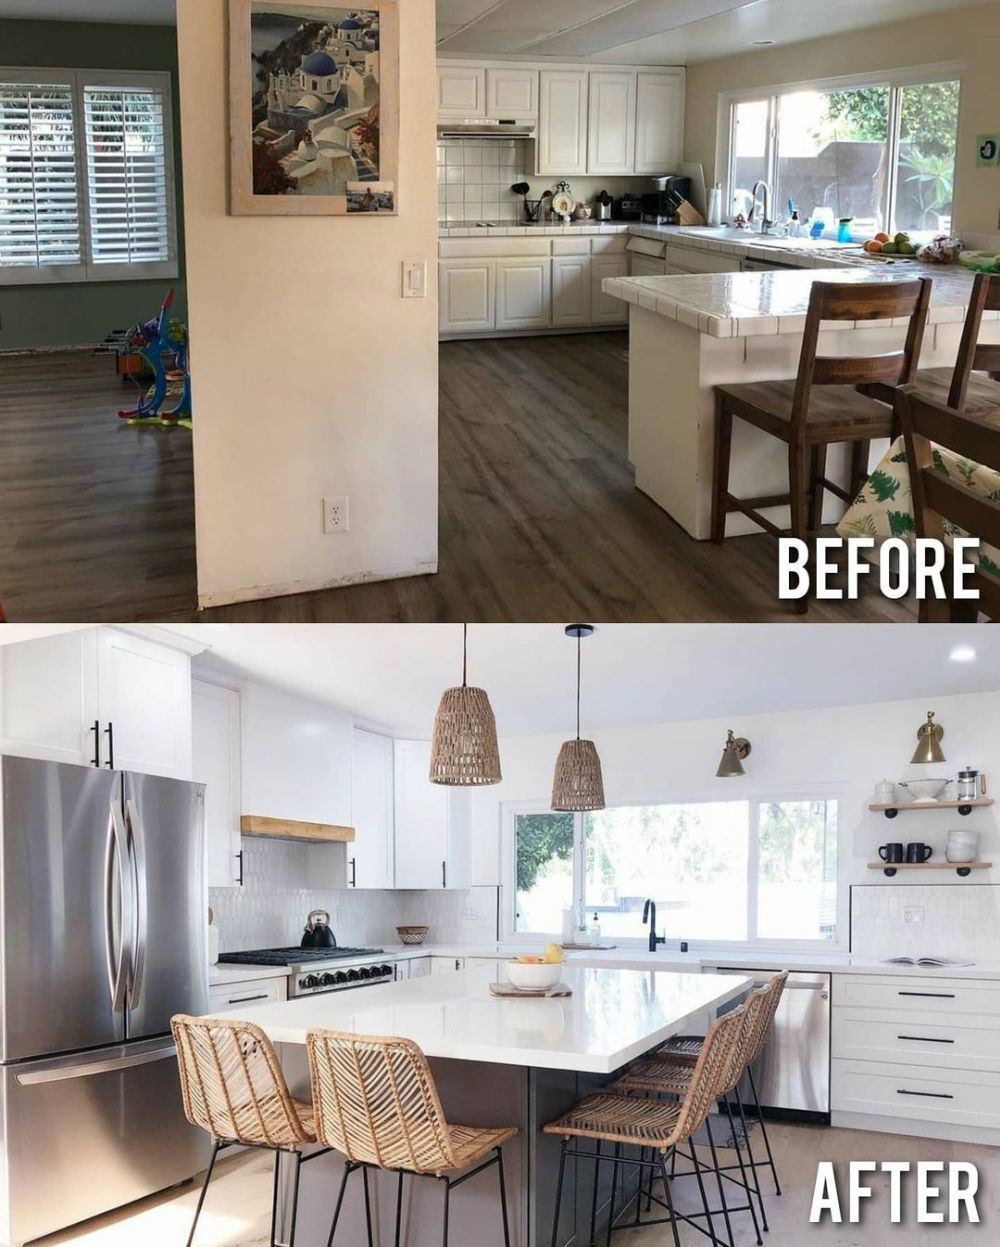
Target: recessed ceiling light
(761, 43)
(962, 653)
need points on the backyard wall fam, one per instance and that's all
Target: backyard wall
(82, 313)
(967, 35)
(312, 376)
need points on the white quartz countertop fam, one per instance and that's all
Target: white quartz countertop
(611, 1017)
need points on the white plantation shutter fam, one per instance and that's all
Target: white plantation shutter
(39, 194)
(128, 188)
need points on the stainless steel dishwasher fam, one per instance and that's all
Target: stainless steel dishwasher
(792, 1074)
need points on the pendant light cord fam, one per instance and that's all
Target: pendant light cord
(578, 639)
(465, 654)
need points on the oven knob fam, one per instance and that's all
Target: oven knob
(365, 972)
(309, 981)
(353, 976)
(385, 971)
(326, 980)
(340, 977)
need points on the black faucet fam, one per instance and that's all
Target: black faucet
(649, 914)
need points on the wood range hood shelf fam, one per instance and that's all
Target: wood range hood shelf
(292, 829)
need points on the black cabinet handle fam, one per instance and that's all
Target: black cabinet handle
(96, 729)
(444, 874)
(242, 1000)
(109, 731)
(924, 1039)
(927, 1095)
(354, 873)
(935, 995)
(239, 858)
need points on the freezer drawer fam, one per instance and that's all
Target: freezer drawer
(87, 1133)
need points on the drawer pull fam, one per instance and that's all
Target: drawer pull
(924, 1039)
(927, 1095)
(242, 1000)
(936, 995)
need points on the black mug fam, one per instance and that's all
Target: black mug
(891, 852)
(918, 852)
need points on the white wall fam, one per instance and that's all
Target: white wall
(848, 748)
(311, 375)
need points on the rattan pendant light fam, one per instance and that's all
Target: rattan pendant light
(464, 751)
(578, 783)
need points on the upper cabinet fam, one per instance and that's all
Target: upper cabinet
(215, 714)
(370, 856)
(431, 821)
(659, 130)
(477, 92)
(512, 94)
(561, 144)
(611, 128)
(98, 697)
(461, 92)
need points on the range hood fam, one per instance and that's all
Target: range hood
(481, 129)
(292, 829)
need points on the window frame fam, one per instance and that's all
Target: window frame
(754, 796)
(894, 79)
(87, 271)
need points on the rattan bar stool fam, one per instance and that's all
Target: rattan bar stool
(658, 1125)
(233, 1087)
(376, 1103)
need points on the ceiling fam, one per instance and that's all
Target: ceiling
(392, 675)
(145, 12)
(654, 32)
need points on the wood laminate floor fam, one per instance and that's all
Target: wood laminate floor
(540, 519)
(237, 1210)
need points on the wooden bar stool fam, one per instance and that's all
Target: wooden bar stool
(821, 405)
(939, 501)
(957, 387)
(657, 1125)
(233, 1087)
(376, 1103)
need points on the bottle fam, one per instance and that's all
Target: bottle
(594, 930)
(795, 225)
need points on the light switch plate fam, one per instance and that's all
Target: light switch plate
(414, 279)
(913, 915)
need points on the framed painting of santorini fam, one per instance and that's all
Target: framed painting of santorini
(314, 108)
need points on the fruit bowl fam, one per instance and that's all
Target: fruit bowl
(411, 935)
(924, 789)
(536, 976)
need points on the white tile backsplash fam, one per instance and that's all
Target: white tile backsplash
(270, 910)
(956, 920)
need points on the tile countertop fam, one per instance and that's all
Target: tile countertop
(610, 1018)
(738, 305)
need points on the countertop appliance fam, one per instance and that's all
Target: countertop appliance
(628, 207)
(602, 206)
(792, 1074)
(315, 970)
(659, 207)
(104, 939)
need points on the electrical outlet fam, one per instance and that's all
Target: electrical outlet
(913, 916)
(470, 913)
(336, 514)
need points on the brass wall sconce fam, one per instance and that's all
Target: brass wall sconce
(734, 752)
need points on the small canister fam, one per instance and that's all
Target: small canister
(963, 846)
(968, 784)
(885, 792)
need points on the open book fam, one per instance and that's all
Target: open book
(929, 962)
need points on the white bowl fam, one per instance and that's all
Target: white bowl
(924, 789)
(533, 977)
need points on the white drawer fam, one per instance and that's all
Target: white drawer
(478, 248)
(571, 246)
(251, 993)
(956, 1097)
(933, 995)
(613, 245)
(691, 260)
(646, 246)
(967, 1041)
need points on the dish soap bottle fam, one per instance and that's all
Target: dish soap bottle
(594, 930)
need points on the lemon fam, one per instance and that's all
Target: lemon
(552, 955)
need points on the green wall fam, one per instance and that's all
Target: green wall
(81, 313)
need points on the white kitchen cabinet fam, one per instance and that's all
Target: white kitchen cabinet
(611, 128)
(512, 94)
(446, 965)
(466, 295)
(523, 293)
(461, 92)
(645, 265)
(659, 126)
(604, 310)
(571, 291)
(370, 857)
(228, 997)
(431, 823)
(98, 697)
(681, 259)
(420, 967)
(561, 138)
(215, 762)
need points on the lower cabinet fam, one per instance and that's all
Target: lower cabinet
(645, 266)
(571, 291)
(604, 310)
(466, 295)
(446, 965)
(523, 293)
(419, 967)
(248, 993)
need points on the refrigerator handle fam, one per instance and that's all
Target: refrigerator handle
(115, 942)
(137, 856)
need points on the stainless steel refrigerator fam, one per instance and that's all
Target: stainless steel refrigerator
(103, 928)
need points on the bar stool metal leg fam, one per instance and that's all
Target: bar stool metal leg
(559, 1187)
(718, 1178)
(204, 1190)
(743, 1172)
(348, 1168)
(754, 1163)
(503, 1199)
(669, 1199)
(763, 1131)
(593, 1195)
(447, 1209)
(399, 1207)
(368, 1206)
(614, 1192)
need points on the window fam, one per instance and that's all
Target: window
(719, 871)
(86, 177)
(882, 152)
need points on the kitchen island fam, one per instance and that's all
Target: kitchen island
(690, 333)
(497, 1062)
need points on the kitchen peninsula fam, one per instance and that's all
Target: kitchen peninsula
(497, 1062)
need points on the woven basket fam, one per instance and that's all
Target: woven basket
(578, 783)
(464, 750)
(412, 935)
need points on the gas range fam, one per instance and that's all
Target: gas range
(315, 970)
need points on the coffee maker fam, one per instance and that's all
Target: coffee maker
(659, 207)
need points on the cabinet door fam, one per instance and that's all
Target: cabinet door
(369, 858)
(446, 965)
(561, 146)
(571, 290)
(512, 94)
(420, 967)
(523, 299)
(645, 266)
(145, 696)
(659, 125)
(215, 762)
(611, 133)
(604, 309)
(421, 819)
(461, 92)
(48, 698)
(467, 296)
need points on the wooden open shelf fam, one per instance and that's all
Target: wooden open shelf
(290, 829)
(960, 868)
(908, 807)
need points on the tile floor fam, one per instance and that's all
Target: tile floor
(238, 1208)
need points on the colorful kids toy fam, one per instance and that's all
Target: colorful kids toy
(168, 400)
